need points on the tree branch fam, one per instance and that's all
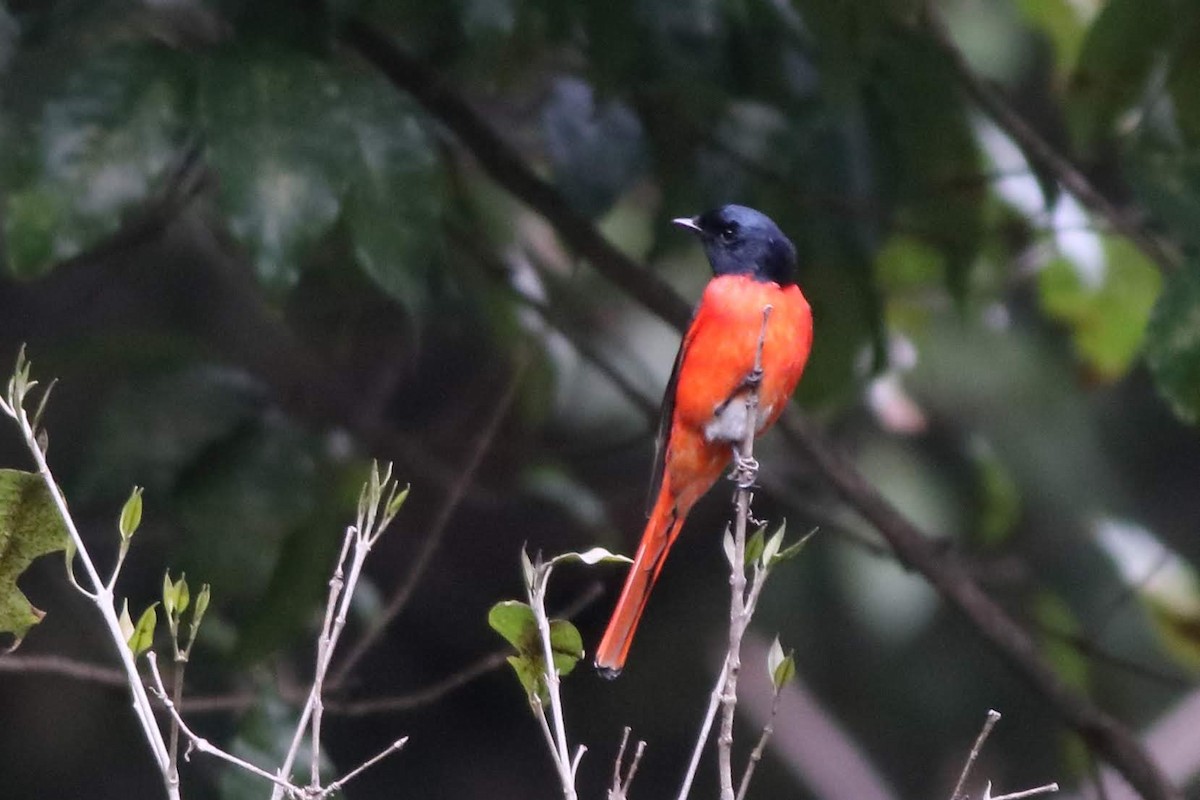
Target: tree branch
(1102, 731)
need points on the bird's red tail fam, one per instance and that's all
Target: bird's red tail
(661, 532)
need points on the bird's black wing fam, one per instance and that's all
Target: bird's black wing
(663, 436)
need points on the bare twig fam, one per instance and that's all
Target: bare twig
(438, 529)
(744, 473)
(710, 714)
(198, 742)
(993, 717)
(757, 753)
(958, 794)
(378, 505)
(1049, 788)
(619, 790)
(337, 785)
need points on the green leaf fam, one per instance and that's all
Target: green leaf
(515, 621)
(591, 557)
(793, 550)
(91, 154)
(397, 502)
(265, 116)
(142, 638)
(780, 666)
(30, 526)
(754, 545)
(131, 514)
(1107, 316)
(198, 612)
(124, 621)
(175, 597)
(1118, 54)
(300, 144)
(396, 193)
(1173, 342)
(774, 542)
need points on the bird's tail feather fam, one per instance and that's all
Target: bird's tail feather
(661, 531)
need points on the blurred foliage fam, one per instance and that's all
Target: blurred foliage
(255, 263)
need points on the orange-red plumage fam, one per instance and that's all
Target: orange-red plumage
(715, 358)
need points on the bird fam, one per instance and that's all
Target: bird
(704, 414)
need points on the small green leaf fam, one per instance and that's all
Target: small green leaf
(790, 552)
(398, 501)
(754, 546)
(168, 596)
(527, 569)
(774, 542)
(1107, 314)
(30, 526)
(124, 621)
(183, 596)
(131, 514)
(513, 620)
(780, 666)
(198, 611)
(1173, 342)
(566, 645)
(143, 634)
(730, 547)
(591, 557)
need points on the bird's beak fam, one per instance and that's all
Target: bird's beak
(687, 222)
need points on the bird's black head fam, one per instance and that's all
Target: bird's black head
(741, 241)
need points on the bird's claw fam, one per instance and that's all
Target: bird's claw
(745, 471)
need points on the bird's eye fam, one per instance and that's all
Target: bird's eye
(729, 231)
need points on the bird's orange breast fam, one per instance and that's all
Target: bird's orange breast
(721, 346)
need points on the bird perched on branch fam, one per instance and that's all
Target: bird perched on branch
(704, 412)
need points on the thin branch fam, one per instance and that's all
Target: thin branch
(65, 667)
(337, 785)
(198, 742)
(993, 717)
(438, 529)
(619, 790)
(1041, 152)
(954, 583)
(558, 743)
(1049, 788)
(710, 714)
(757, 753)
(744, 473)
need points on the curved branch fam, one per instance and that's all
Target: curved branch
(1105, 733)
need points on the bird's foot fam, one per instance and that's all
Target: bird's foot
(745, 471)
